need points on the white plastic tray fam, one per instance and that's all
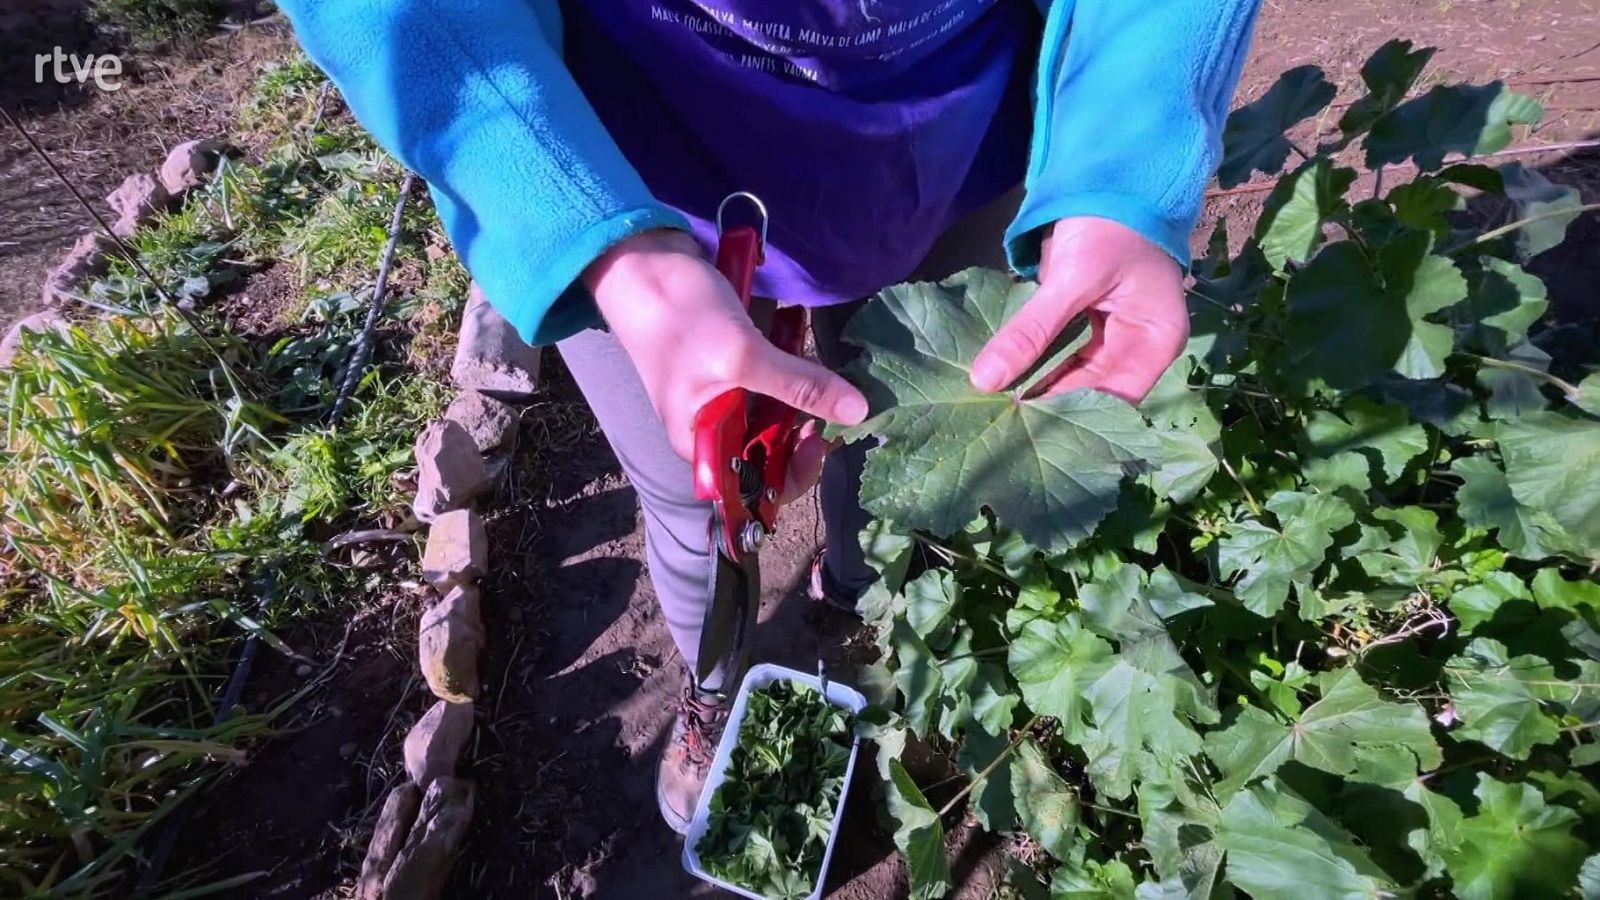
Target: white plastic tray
(760, 676)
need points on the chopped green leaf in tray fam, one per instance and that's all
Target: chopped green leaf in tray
(770, 819)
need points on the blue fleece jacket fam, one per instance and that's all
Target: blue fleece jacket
(473, 95)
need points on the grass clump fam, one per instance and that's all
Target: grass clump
(104, 423)
(154, 24)
(285, 95)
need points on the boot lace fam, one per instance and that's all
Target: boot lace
(701, 721)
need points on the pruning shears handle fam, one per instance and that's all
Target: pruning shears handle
(743, 441)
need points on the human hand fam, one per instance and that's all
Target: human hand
(1133, 293)
(691, 340)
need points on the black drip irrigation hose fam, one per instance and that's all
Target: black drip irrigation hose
(266, 582)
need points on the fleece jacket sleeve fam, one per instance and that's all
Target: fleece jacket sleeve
(473, 96)
(1129, 109)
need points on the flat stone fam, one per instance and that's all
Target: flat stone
(190, 164)
(450, 472)
(388, 836)
(86, 259)
(490, 421)
(449, 639)
(423, 864)
(490, 356)
(136, 201)
(457, 551)
(434, 745)
(38, 323)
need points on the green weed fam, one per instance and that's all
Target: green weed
(103, 424)
(153, 24)
(284, 95)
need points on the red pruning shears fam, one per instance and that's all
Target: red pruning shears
(742, 444)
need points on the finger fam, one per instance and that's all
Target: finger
(804, 385)
(1130, 358)
(1045, 386)
(1023, 340)
(805, 462)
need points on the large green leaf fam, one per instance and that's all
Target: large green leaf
(1273, 560)
(1054, 663)
(1503, 302)
(919, 835)
(887, 550)
(1497, 697)
(1514, 846)
(1424, 204)
(992, 804)
(1551, 459)
(1352, 320)
(1465, 119)
(1351, 731)
(1552, 591)
(1180, 835)
(1516, 390)
(1122, 607)
(958, 668)
(1046, 805)
(918, 677)
(1383, 432)
(1550, 207)
(993, 702)
(1278, 845)
(1403, 549)
(1389, 74)
(1479, 603)
(1254, 139)
(929, 599)
(1141, 726)
(1049, 468)
(1290, 227)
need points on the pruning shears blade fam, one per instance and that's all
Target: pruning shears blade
(730, 619)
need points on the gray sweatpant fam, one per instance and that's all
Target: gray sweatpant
(677, 546)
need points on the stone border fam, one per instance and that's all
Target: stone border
(423, 821)
(140, 198)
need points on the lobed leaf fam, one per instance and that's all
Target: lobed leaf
(1389, 75)
(1465, 119)
(1279, 845)
(919, 835)
(1254, 139)
(1050, 467)
(1350, 731)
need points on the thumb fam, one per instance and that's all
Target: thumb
(804, 385)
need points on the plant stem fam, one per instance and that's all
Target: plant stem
(1249, 498)
(1503, 230)
(1567, 387)
(953, 553)
(987, 770)
(1243, 392)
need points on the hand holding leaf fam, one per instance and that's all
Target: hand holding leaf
(1131, 290)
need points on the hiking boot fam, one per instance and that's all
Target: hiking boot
(822, 589)
(686, 760)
